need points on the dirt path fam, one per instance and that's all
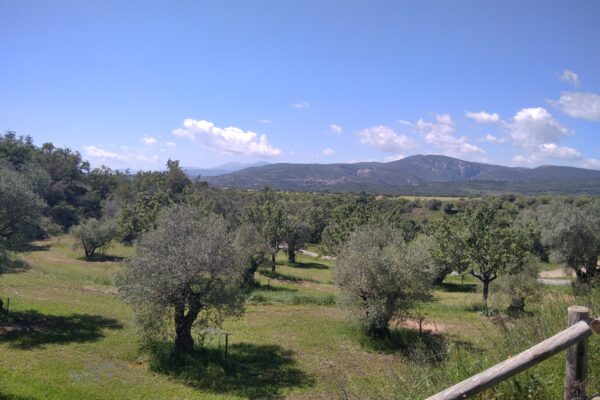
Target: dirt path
(556, 277)
(315, 255)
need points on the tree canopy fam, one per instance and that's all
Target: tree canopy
(382, 276)
(183, 269)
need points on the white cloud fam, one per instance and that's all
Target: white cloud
(394, 158)
(483, 117)
(441, 134)
(549, 151)
(328, 151)
(127, 157)
(170, 144)
(97, 152)
(335, 129)
(301, 105)
(571, 77)
(579, 105)
(385, 139)
(532, 127)
(264, 121)
(228, 141)
(592, 163)
(405, 122)
(493, 139)
(149, 140)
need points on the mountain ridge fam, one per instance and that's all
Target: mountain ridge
(418, 174)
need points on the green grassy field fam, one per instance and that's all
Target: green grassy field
(68, 336)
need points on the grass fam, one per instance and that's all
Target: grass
(68, 336)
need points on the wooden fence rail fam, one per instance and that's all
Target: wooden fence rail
(574, 338)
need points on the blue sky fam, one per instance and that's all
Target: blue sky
(131, 84)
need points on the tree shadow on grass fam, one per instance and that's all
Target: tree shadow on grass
(14, 397)
(458, 287)
(308, 265)
(102, 258)
(252, 371)
(35, 247)
(269, 288)
(422, 348)
(285, 277)
(9, 265)
(32, 329)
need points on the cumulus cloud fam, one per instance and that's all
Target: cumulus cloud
(483, 117)
(228, 141)
(570, 77)
(549, 151)
(97, 152)
(591, 163)
(493, 139)
(170, 144)
(532, 127)
(126, 157)
(264, 121)
(335, 129)
(579, 105)
(441, 134)
(301, 105)
(149, 140)
(395, 157)
(385, 139)
(328, 151)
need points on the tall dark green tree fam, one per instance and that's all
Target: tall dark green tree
(495, 245)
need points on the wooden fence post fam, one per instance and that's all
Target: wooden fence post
(576, 366)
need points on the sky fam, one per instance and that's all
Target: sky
(130, 84)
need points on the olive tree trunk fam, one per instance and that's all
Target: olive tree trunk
(184, 342)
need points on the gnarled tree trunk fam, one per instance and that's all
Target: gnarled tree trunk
(184, 342)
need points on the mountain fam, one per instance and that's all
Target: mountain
(226, 168)
(417, 175)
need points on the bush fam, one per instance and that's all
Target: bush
(434, 204)
(520, 288)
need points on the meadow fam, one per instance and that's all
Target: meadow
(69, 336)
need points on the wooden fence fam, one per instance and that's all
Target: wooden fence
(574, 339)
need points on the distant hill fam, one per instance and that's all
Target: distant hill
(417, 175)
(226, 168)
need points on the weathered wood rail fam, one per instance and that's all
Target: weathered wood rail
(574, 339)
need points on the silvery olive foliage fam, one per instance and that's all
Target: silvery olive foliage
(521, 287)
(252, 249)
(381, 276)
(572, 235)
(20, 209)
(93, 235)
(184, 273)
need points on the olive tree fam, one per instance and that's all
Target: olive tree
(297, 235)
(381, 276)
(270, 220)
(252, 249)
(184, 270)
(571, 233)
(93, 235)
(20, 210)
(521, 287)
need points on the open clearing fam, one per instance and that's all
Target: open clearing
(70, 337)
